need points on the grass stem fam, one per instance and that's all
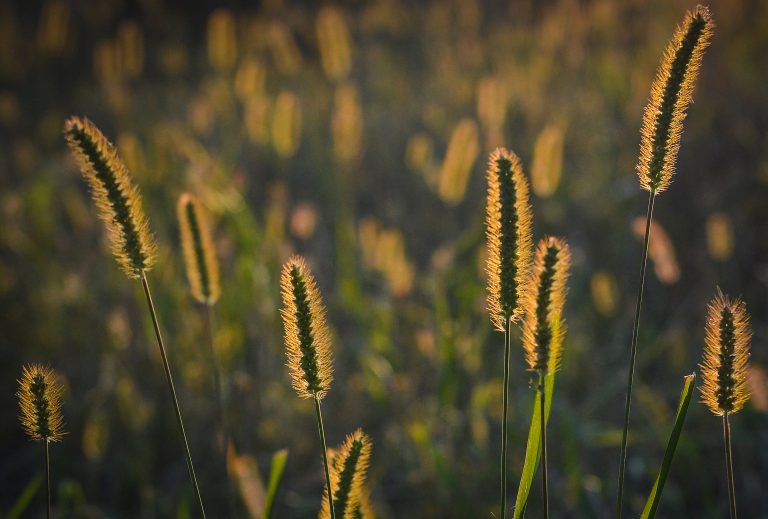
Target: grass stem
(633, 355)
(172, 389)
(729, 465)
(542, 414)
(325, 456)
(47, 478)
(505, 399)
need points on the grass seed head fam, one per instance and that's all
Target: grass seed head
(39, 394)
(199, 255)
(508, 231)
(671, 94)
(307, 339)
(348, 469)
(116, 197)
(725, 361)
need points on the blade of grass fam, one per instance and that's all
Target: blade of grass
(279, 459)
(649, 512)
(533, 448)
(25, 498)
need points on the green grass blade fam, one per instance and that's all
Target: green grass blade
(22, 503)
(682, 409)
(275, 475)
(533, 449)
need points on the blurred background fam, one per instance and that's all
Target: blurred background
(356, 133)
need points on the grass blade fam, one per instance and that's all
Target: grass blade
(682, 409)
(25, 498)
(275, 476)
(533, 448)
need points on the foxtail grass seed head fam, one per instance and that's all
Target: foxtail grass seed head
(543, 326)
(508, 231)
(724, 364)
(671, 94)
(39, 394)
(116, 197)
(348, 469)
(199, 254)
(307, 339)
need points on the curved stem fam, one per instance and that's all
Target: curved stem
(325, 456)
(47, 478)
(543, 416)
(633, 355)
(505, 399)
(172, 389)
(729, 465)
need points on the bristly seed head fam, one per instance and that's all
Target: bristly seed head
(348, 469)
(199, 255)
(39, 394)
(116, 197)
(726, 355)
(671, 94)
(508, 231)
(543, 325)
(307, 339)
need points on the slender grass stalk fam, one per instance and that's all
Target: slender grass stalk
(321, 430)
(671, 95)
(39, 394)
(729, 465)
(505, 403)
(172, 389)
(633, 352)
(47, 455)
(724, 370)
(542, 415)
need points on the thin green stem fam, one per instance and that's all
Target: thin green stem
(505, 399)
(543, 417)
(729, 465)
(633, 355)
(321, 430)
(172, 389)
(47, 478)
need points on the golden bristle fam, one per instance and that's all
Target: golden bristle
(543, 326)
(199, 254)
(39, 394)
(508, 230)
(671, 94)
(307, 339)
(348, 469)
(724, 364)
(116, 197)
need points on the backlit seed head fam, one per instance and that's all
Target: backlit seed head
(671, 94)
(348, 469)
(725, 361)
(39, 394)
(117, 199)
(199, 255)
(508, 231)
(543, 326)
(307, 339)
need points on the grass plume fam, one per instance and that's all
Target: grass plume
(348, 470)
(508, 231)
(40, 391)
(116, 197)
(199, 255)
(671, 94)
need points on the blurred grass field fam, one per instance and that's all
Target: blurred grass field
(356, 134)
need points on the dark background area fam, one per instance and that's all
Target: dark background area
(381, 186)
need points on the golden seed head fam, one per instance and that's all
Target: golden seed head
(724, 364)
(671, 94)
(349, 465)
(543, 325)
(117, 199)
(199, 255)
(307, 339)
(508, 230)
(39, 394)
